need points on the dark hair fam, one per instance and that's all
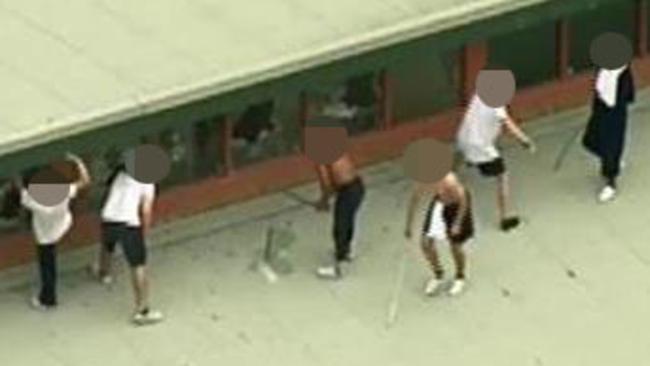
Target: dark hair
(114, 173)
(48, 175)
(110, 180)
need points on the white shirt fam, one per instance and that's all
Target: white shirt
(607, 85)
(50, 223)
(479, 131)
(125, 198)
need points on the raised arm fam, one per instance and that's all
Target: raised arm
(84, 176)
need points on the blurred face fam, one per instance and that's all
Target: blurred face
(611, 51)
(324, 145)
(427, 160)
(49, 194)
(495, 87)
(147, 163)
(48, 187)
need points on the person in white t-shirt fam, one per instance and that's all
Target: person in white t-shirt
(127, 216)
(479, 131)
(48, 197)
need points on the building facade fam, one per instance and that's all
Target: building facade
(246, 142)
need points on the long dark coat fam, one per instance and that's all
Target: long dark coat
(606, 130)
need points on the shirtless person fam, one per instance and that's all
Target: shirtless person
(449, 217)
(325, 144)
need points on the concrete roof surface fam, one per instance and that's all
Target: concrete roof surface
(70, 68)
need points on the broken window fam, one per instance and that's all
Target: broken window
(266, 130)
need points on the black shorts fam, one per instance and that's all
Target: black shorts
(130, 238)
(449, 216)
(493, 168)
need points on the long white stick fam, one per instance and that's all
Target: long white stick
(393, 307)
(566, 148)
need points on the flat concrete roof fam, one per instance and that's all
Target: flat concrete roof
(70, 69)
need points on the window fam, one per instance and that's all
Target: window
(587, 25)
(176, 143)
(266, 130)
(207, 159)
(10, 208)
(509, 51)
(360, 93)
(425, 84)
(356, 95)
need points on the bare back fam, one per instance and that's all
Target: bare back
(342, 171)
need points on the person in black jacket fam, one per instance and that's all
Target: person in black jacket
(607, 128)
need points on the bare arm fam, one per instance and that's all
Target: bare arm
(518, 133)
(146, 213)
(84, 176)
(325, 180)
(410, 210)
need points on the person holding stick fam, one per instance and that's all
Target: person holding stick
(606, 130)
(325, 145)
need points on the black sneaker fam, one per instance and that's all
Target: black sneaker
(510, 223)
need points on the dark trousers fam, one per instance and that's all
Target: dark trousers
(348, 201)
(47, 270)
(610, 169)
(610, 159)
(605, 137)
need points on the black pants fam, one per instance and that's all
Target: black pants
(47, 270)
(610, 168)
(348, 201)
(612, 154)
(605, 137)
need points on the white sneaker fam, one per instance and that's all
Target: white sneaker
(36, 304)
(329, 272)
(607, 194)
(432, 286)
(148, 317)
(457, 287)
(93, 271)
